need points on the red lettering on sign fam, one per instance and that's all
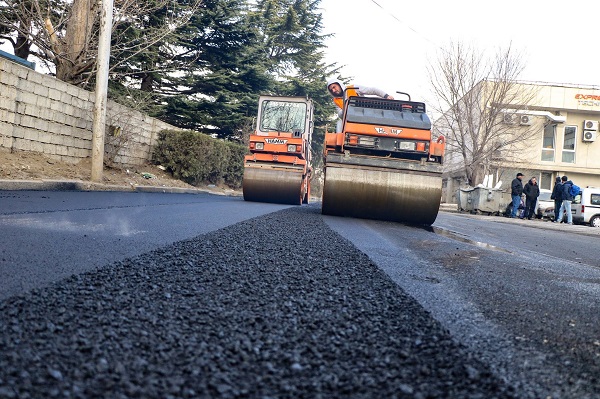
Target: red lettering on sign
(587, 97)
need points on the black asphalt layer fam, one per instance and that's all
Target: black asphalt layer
(49, 235)
(279, 306)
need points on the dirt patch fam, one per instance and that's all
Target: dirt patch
(26, 165)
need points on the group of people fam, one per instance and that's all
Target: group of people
(531, 191)
(561, 194)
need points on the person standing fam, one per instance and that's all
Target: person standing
(516, 191)
(566, 200)
(532, 192)
(557, 197)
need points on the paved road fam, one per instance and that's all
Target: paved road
(520, 299)
(523, 295)
(48, 235)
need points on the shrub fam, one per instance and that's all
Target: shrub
(197, 158)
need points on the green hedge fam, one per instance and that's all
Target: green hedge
(197, 158)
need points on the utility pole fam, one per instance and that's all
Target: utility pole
(103, 59)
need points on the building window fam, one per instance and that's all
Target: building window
(548, 143)
(568, 152)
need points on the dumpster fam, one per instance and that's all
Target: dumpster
(483, 200)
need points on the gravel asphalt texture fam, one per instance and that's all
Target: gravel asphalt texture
(278, 306)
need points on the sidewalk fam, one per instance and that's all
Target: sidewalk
(535, 223)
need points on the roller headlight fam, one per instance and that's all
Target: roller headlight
(407, 145)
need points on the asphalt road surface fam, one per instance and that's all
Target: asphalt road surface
(523, 295)
(207, 296)
(48, 235)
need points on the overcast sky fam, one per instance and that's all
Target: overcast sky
(388, 43)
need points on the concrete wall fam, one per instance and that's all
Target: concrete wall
(42, 114)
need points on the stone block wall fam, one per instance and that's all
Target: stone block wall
(43, 114)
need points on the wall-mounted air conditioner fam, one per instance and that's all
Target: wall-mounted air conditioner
(589, 135)
(509, 119)
(525, 120)
(590, 125)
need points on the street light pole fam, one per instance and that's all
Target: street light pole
(103, 59)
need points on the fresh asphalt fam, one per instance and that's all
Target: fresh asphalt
(236, 313)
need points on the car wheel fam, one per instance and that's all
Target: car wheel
(595, 221)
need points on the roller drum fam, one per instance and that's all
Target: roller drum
(406, 196)
(275, 185)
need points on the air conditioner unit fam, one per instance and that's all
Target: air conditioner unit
(510, 119)
(590, 125)
(525, 120)
(589, 135)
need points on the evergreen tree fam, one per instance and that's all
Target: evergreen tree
(243, 51)
(219, 90)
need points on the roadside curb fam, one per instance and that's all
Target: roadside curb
(453, 208)
(535, 223)
(79, 185)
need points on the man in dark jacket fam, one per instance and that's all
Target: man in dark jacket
(516, 190)
(557, 197)
(532, 192)
(566, 200)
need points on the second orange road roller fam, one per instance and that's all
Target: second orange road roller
(384, 164)
(277, 169)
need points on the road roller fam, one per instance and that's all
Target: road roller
(277, 168)
(384, 164)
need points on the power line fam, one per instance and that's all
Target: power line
(404, 23)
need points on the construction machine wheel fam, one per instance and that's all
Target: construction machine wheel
(393, 194)
(269, 184)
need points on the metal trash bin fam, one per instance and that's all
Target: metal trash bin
(482, 200)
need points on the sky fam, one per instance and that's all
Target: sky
(389, 43)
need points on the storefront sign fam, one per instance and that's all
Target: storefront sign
(589, 100)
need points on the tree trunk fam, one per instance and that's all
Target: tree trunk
(71, 59)
(475, 174)
(147, 82)
(22, 46)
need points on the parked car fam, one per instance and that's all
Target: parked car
(544, 202)
(586, 208)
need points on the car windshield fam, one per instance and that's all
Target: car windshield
(545, 196)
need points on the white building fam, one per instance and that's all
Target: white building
(563, 139)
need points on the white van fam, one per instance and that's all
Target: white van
(586, 207)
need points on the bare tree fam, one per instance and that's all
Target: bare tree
(64, 34)
(478, 100)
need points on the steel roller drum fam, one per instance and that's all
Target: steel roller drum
(405, 196)
(275, 185)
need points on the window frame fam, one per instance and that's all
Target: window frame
(564, 150)
(551, 149)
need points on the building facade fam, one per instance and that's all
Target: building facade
(564, 139)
